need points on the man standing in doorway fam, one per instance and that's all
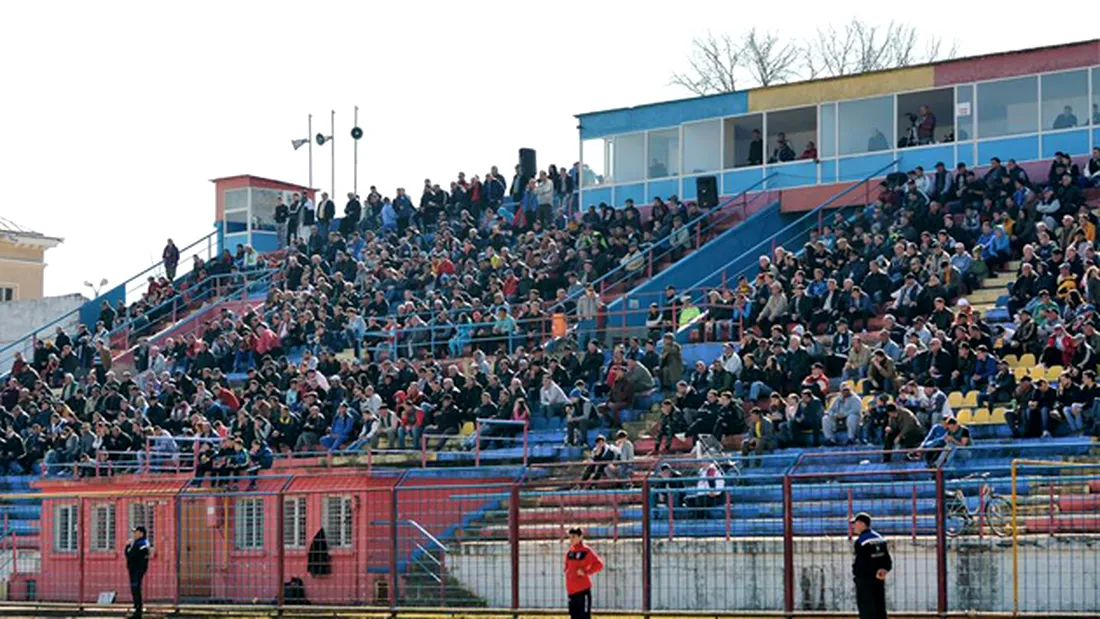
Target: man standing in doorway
(871, 565)
(581, 563)
(137, 562)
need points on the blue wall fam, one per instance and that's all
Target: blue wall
(1022, 148)
(657, 115)
(1072, 142)
(732, 242)
(858, 168)
(927, 157)
(663, 189)
(623, 193)
(793, 175)
(739, 180)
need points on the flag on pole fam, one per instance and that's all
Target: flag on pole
(299, 143)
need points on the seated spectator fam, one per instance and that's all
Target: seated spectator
(903, 431)
(847, 409)
(761, 437)
(602, 455)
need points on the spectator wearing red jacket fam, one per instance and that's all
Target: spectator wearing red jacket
(581, 563)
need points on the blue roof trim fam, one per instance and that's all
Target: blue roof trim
(659, 115)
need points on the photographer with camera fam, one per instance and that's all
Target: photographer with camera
(922, 128)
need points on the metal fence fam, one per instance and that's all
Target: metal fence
(727, 535)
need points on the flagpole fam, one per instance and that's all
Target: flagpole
(355, 156)
(332, 186)
(309, 138)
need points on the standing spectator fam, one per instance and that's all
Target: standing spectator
(282, 217)
(544, 195)
(171, 257)
(353, 212)
(326, 212)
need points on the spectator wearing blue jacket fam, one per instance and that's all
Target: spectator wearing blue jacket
(389, 215)
(343, 425)
(985, 368)
(995, 246)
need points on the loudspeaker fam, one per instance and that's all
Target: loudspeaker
(527, 166)
(706, 191)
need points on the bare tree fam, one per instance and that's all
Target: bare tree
(858, 47)
(768, 59)
(712, 65)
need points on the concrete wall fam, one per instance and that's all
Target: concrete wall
(19, 317)
(1056, 574)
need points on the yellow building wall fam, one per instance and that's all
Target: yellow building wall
(23, 269)
(841, 88)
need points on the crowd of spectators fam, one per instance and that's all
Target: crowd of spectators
(467, 273)
(445, 310)
(877, 300)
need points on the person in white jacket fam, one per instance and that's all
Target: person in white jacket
(544, 195)
(552, 397)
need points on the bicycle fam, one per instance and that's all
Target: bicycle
(994, 510)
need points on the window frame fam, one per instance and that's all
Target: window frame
(295, 519)
(104, 524)
(248, 524)
(342, 536)
(977, 109)
(66, 540)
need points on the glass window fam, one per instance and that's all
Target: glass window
(1096, 96)
(866, 125)
(1008, 107)
(6, 294)
(64, 528)
(792, 134)
(294, 522)
(926, 117)
(248, 524)
(337, 519)
(263, 207)
(236, 221)
(964, 113)
(664, 153)
(1065, 99)
(235, 199)
(628, 162)
(744, 141)
(103, 527)
(702, 147)
(596, 155)
(827, 148)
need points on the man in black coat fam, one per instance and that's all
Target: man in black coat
(137, 563)
(353, 212)
(326, 212)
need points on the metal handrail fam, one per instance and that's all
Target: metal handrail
(17, 344)
(602, 280)
(816, 211)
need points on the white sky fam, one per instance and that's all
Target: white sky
(114, 115)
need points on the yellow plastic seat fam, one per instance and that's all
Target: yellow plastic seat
(1028, 360)
(468, 428)
(1011, 360)
(863, 386)
(1020, 371)
(998, 415)
(1054, 372)
(970, 399)
(979, 416)
(964, 416)
(955, 399)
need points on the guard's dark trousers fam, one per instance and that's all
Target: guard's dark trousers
(871, 598)
(135, 592)
(580, 605)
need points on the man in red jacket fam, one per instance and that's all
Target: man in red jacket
(581, 562)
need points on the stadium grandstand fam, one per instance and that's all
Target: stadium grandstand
(404, 402)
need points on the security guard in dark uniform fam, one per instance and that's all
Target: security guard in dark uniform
(872, 563)
(137, 563)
